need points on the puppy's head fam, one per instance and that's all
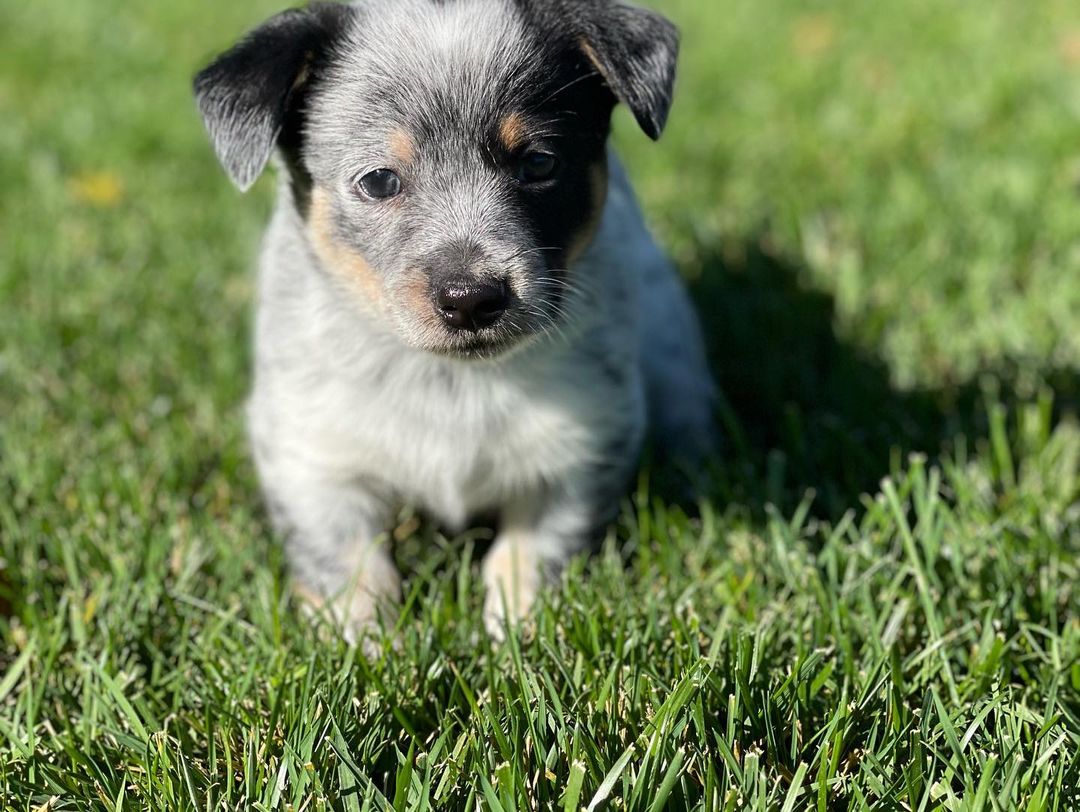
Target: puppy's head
(448, 156)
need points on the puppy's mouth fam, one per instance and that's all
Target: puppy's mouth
(475, 349)
(497, 340)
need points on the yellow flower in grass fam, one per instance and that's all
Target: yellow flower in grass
(103, 190)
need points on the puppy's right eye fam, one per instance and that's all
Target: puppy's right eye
(536, 167)
(378, 185)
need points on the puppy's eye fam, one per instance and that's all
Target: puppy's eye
(537, 166)
(379, 185)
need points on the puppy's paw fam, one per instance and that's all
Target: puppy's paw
(512, 577)
(355, 608)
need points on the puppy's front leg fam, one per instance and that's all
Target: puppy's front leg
(536, 538)
(337, 548)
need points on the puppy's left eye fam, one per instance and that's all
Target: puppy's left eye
(536, 167)
(379, 185)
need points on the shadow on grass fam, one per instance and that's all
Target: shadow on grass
(802, 408)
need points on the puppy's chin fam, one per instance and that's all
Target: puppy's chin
(497, 342)
(475, 351)
(475, 346)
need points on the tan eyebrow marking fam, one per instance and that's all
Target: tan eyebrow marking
(402, 146)
(512, 131)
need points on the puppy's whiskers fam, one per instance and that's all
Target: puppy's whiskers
(569, 85)
(561, 306)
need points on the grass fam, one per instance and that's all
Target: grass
(877, 206)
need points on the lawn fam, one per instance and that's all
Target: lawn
(878, 208)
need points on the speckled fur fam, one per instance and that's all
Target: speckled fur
(357, 409)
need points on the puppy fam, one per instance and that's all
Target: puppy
(459, 305)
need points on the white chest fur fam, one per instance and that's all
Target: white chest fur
(452, 437)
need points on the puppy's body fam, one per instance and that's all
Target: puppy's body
(362, 404)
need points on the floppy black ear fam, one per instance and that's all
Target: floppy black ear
(244, 95)
(635, 51)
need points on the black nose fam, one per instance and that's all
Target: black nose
(471, 304)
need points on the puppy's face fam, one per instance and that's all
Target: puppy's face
(448, 155)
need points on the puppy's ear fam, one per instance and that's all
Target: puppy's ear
(635, 51)
(244, 95)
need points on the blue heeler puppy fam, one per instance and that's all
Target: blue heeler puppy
(459, 306)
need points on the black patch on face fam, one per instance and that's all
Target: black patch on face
(568, 115)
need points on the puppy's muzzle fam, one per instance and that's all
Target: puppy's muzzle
(467, 291)
(471, 304)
